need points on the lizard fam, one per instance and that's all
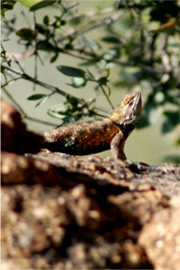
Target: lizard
(89, 137)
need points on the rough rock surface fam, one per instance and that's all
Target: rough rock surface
(68, 212)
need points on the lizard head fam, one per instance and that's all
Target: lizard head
(129, 112)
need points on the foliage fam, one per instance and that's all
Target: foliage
(139, 41)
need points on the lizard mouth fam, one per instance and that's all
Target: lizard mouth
(137, 99)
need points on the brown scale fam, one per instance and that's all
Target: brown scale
(82, 138)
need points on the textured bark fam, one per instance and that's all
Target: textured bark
(68, 212)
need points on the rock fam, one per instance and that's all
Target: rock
(161, 238)
(15, 137)
(68, 212)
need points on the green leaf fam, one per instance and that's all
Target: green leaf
(111, 39)
(57, 111)
(29, 3)
(103, 80)
(75, 21)
(42, 29)
(41, 101)
(42, 4)
(26, 34)
(71, 100)
(91, 76)
(54, 58)
(46, 20)
(78, 82)
(177, 142)
(58, 22)
(36, 96)
(71, 71)
(55, 114)
(69, 46)
(45, 45)
(89, 63)
(7, 5)
(113, 53)
(70, 119)
(172, 158)
(89, 43)
(171, 121)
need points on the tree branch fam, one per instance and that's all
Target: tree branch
(49, 87)
(24, 114)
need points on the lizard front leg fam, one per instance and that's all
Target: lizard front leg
(117, 146)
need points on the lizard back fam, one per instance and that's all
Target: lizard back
(82, 138)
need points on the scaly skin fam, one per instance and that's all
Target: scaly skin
(89, 137)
